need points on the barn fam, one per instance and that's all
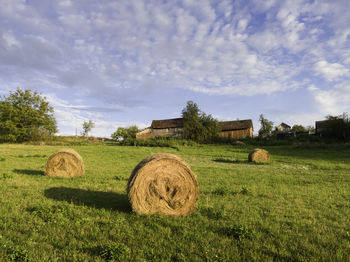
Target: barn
(173, 127)
(236, 129)
(167, 127)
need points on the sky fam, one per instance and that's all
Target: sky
(122, 63)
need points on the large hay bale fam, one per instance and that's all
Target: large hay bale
(163, 184)
(65, 163)
(258, 155)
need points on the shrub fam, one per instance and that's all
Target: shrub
(239, 232)
(18, 254)
(117, 251)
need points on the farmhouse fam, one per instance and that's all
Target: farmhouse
(173, 127)
(283, 128)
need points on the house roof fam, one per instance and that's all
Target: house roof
(168, 123)
(236, 125)
(284, 125)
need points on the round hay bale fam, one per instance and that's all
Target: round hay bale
(65, 163)
(259, 155)
(163, 184)
(238, 143)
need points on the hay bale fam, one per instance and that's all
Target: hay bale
(65, 163)
(238, 143)
(163, 184)
(259, 155)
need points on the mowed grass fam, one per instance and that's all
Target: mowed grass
(295, 208)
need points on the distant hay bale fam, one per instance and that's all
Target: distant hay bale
(163, 184)
(238, 143)
(259, 156)
(65, 163)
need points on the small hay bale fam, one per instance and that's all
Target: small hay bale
(163, 184)
(238, 143)
(259, 155)
(65, 163)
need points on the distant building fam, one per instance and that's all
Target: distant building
(283, 128)
(167, 127)
(236, 129)
(174, 127)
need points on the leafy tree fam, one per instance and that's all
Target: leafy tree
(87, 126)
(25, 116)
(198, 126)
(266, 127)
(311, 129)
(132, 131)
(125, 133)
(299, 128)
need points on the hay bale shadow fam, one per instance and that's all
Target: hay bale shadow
(97, 199)
(229, 161)
(29, 172)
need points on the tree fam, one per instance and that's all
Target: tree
(25, 116)
(299, 128)
(266, 127)
(87, 126)
(197, 125)
(125, 133)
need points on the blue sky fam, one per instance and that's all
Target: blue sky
(121, 63)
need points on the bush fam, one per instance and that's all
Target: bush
(118, 252)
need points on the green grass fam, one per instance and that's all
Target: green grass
(295, 208)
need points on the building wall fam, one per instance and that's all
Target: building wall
(176, 132)
(237, 134)
(145, 134)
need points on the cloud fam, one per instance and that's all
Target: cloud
(333, 101)
(118, 56)
(330, 71)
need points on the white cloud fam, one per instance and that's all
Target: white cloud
(330, 71)
(118, 55)
(333, 101)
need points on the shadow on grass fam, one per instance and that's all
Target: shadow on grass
(29, 172)
(229, 161)
(97, 199)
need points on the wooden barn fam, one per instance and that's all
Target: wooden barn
(236, 129)
(167, 127)
(173, 127)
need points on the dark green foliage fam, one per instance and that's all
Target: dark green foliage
(125, 133)
(26, 116)
(118, 252)
(198, 126)
(265, 127)
(299, 128)
(239, 232)
(18, 254)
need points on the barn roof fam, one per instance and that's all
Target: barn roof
(236, 125)
(168, 123)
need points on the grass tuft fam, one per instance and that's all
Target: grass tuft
(115, 251)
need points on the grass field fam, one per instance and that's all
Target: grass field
(295, 208)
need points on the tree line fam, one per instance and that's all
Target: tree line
(27, 116)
